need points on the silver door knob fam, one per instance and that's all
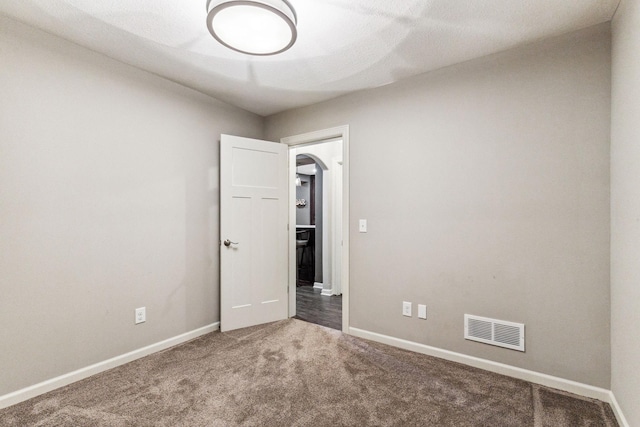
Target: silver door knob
(228, 243)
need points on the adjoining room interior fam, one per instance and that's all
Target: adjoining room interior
(318, 296)
(489, 197)
(308, 221)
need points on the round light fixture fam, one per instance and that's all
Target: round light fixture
(254, 27)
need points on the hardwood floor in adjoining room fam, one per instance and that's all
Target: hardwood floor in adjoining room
(315, 308)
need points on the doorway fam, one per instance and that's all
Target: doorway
(318, 242)
(318, 294)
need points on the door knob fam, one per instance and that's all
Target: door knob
(228, 243)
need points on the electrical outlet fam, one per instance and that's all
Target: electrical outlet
(141, 315)
(406, 308)
(422, 311)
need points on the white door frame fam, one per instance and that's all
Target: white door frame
(340, 132)
(336, 208)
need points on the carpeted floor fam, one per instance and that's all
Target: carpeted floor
(293, 373)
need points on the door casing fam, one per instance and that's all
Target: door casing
(340, 132)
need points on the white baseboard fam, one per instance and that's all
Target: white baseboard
(327, 292)
(63, 380)
(318, 285)
(617, 410)
(500, 368)
(488, 365)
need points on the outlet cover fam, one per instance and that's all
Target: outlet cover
(422, 311)
(141, 315)
(406, 308)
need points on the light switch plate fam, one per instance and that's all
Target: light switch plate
(362, 225)
(422, 311)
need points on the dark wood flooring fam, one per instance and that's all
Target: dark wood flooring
(315, 308)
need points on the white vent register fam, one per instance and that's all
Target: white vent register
(495, 332)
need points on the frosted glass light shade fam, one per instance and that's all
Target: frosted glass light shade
(255, 27)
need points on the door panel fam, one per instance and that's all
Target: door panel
(255, 169)
(253, 217)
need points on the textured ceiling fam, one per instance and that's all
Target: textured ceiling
(342, 46)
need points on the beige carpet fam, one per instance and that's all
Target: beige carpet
(293, 373)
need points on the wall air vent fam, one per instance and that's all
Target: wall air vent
(495, 332)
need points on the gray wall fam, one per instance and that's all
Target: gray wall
(625, 210)
(303, 214)
(494, 201)
(108, 202)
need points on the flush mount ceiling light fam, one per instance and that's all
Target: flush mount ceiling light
(254, 27)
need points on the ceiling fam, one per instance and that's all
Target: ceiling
(343, 45)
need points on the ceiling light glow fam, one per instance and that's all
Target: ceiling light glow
(254, 27)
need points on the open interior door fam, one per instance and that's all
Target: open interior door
(253, 232)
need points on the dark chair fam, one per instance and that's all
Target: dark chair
(304, 256)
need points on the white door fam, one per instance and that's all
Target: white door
(253, 232)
